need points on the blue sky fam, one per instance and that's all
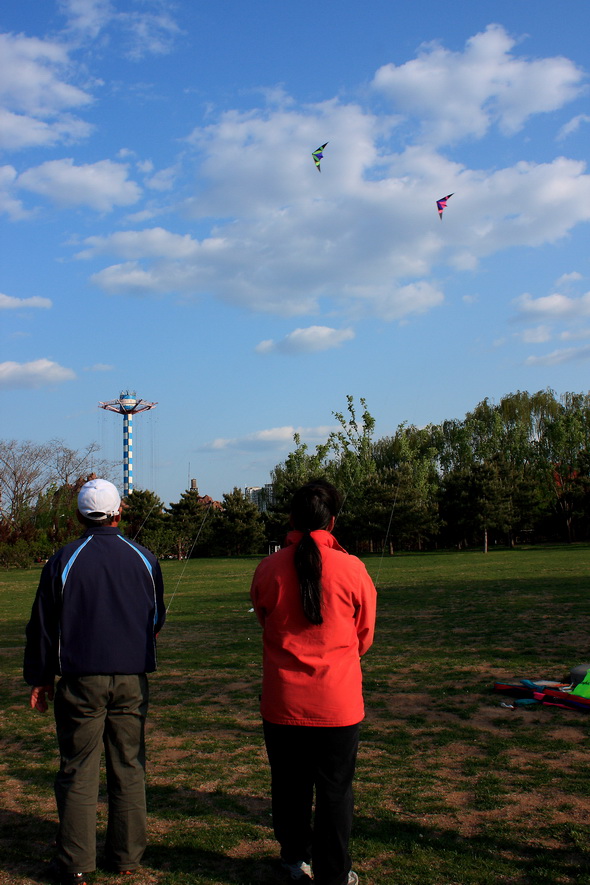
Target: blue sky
(164, 227)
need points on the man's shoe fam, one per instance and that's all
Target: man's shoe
(72, 879)
(299, 870)
(353, 879)
(57, 872)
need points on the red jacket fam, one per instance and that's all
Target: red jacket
(312, 672)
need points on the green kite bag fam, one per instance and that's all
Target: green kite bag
(582, 689)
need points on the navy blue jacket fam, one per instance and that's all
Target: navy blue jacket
(98, 608)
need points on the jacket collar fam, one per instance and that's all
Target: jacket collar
(321, 537)
(102, 530)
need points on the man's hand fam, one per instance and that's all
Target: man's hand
(38, 700)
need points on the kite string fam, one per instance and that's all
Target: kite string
(344, 497)
(189, 554)
(135, 536)
(387, 532)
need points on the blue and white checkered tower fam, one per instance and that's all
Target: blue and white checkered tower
(127, 405)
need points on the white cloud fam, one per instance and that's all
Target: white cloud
(575, 334)
(153, 243)
(557, 357)
(245, 155)
(163, 180)
(36, 99)
(572, 126)
(30, 76)
(39, 98)
(567, 278)
(149, 33)
(361, 238)
(38, 373)
(87, 17)
(101, 186)
(554, 307)
(462, 94)
(99, 367)
(131, 279)
(9, 302)
(142, 32)
(536, 335)
(9, 204)
(143, 215)
(561, 316)
(280, 438)
(311, 340)
(18, 131)
(403, 301)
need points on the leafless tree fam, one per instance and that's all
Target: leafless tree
(23, 477)
(67, 466)
(28, 470)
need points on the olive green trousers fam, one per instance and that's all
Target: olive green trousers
(92, 713)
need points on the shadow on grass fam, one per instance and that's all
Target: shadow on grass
(204, 846)
(182, 863)
(169, 802)
(212, 836)
(496, 855)
(26, 845)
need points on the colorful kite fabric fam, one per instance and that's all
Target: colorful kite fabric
(441, 204)
(318, 155)
(545, 692)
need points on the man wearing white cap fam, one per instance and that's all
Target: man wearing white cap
(98, 609)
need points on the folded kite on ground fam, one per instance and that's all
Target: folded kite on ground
(574, 695)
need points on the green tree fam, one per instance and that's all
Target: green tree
(408, 464)
(352, 470)
(238, 529)
(468, 501)
(55, 515)
(495, 453)
(190, 523)
(299, 467)
(145, 521)
(564, 447)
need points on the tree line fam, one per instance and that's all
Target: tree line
(512, 472)
(39, 485)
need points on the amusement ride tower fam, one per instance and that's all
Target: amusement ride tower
(127, 405)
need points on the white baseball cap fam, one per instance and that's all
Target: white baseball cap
(98, 499)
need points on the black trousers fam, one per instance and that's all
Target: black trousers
(301, 758)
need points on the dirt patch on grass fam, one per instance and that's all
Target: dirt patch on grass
(500, 772)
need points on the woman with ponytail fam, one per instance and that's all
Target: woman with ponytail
(316, 605)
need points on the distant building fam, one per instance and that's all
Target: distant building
(207, 500)
(262, 496)
(252, 493)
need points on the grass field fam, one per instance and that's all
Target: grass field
(451, 787)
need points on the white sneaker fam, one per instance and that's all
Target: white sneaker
(298, 870)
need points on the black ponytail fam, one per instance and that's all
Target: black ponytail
(312, 508)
